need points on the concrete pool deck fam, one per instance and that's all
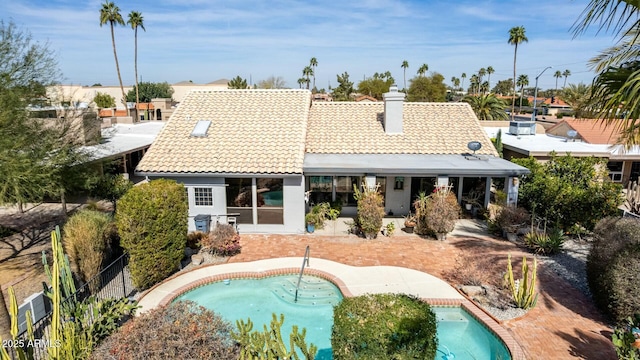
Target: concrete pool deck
(352, 280)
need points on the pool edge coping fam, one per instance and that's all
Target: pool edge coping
(494, 325)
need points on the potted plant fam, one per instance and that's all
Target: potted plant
(510, 219)
(442, 210)
(370, 210)
(318, 214)
(390, 228)
(471, 200)
(420, 205)
(409, 223)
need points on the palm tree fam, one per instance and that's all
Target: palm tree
(456, 83)
(566, 74)
(474, 82)
(481, 73)
(523, 80)
(307, 72)
(136, 20)
(557, 75)
(490, 71)
(314, 63)
(237, 83)
(404, 66)
(516, 37)
(578, 97)
(301, 81)
(463, 76)
(487, 107)
(484, 87)
(110, 13)
(423, 69)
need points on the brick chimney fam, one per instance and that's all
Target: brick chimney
(393, 101)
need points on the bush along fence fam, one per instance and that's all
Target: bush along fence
(113, 282)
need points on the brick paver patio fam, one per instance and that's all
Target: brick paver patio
(563, 325)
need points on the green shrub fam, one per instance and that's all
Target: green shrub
(87, 240)
(567, 190)
(222, 241)
(384, 326)
(612, 267)
(370, 209)
(182, 330)
(152, 223)
(624, 339)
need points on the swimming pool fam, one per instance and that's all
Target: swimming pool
(459, 333)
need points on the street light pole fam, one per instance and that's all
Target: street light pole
(535, 94)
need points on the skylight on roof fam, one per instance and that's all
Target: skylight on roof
(200, 130)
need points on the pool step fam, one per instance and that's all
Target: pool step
(312, 291)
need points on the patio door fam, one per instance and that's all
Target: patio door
(421, 184)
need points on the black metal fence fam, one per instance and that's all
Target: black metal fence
(114, 281)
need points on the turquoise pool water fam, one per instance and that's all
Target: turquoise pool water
(459, 333)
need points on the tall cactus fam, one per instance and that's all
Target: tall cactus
(21, 346)
(64, 268)
(523, 290)
(633, 197)
(269, 344)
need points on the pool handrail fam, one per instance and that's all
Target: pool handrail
(305, 260)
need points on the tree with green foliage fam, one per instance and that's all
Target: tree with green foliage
(149, 91)
(516, 37)
(152, 224)
(503, 87)
(104, 100)
(237, 83)
(487, 107)
(314, 64)
(110, 13)
(376, 85)
(557, 75)
(523, 80)
(422, 70)
(568, 191)
(307, 72)
(428, 88)
(136, 21)
(463, 76)
(566, 74)
(497, 142)
(490, 70)
(345, 88)
(272, 82)
(384, 326)
(578, 96)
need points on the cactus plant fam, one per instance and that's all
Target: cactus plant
(269, 344)
(21, 346)
(633, 197)
(522, 290)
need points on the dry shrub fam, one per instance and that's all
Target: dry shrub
(194, 239)
(222, 241)
(87, 240)
(475, 270)
(182, 330)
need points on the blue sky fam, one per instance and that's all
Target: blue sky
(205, 40)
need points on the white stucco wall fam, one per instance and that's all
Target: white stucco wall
(398, 201)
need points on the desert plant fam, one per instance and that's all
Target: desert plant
(626, 339)
(152, 224)
(194, 239)
(421, 219)
(511, 218)
(321, 212)
(17, 344)
(545, 242)
(181, 330)
(370, 209)
(384, 326)
(269, 344)
(410, 220)
(222, 241)
(522, 290)
(391, 227)
(632, 199)
(612, 267)
(442, 210)
(87, 240)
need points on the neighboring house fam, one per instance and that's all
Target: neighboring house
(555, 105)
(264, 156)
(365, 98)
(322, 97)
(578, 138)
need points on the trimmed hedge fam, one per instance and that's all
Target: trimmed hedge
(613, 267)
(152, 223)
(384, 326)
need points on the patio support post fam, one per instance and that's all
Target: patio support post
(511, 188)
(460, 182)
(254, 201)
(487, 192)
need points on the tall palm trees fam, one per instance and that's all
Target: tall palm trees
(313, 63)
(307, 72)
(516, 37)
(423, 69)
(463, 76)
(490, 71)
(566, 74)
(110, 13)
(404, 66)
(523, 80)
(487, 107)
(557, 75)
(136, 21)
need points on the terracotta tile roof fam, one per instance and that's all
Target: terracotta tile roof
(592, 131)
(428, 128)
(145, 106)
(110, 113)
(558, 102)
(365, 98)
(252, 131)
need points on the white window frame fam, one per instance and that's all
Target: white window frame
(195, 196)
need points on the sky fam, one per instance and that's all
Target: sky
(207, 40)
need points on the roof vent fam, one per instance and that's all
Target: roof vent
(522, 128)
(201, 128)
